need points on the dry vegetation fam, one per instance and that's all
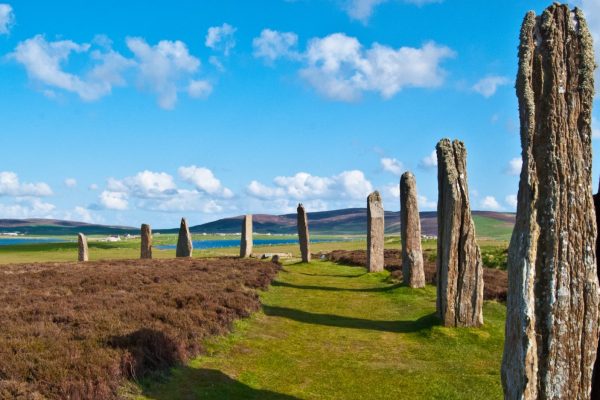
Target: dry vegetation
(78, 331)
(495, 280)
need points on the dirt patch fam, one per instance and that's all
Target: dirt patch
(78, 331)
(495, 280)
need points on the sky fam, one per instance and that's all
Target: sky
(148, 111)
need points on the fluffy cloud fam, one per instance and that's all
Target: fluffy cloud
(70, 182)
(595, 129)
(10, 185)
(27, 208)
(340, 68)
(165, 69)
(204, 180)
(271, 45)
(7, 18)
(511, 200)
(514, 166)
(487, 86)
(113, 200)
(429, 161)
(43, 60)
(490, 203)
(146, 184)
(363, 9)
(162, 67)
(351, 185)
(221, 38)
(392, 165)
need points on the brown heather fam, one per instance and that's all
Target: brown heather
(78, 331)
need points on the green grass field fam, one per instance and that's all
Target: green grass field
(334, 332)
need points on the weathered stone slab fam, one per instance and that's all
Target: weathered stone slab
(375, 233)
(552, 304)
(246, 241)
(303, 235)
(146, 250)
(184, 241)
(83, 253)
(459, 265)
(410, 231)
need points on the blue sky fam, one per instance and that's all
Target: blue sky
(131, 112)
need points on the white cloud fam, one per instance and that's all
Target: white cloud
(199, 89)
(595, 129)
(7, 18)
(271, 45)
(429, 161)
(27, 208)
(351, 185)
(10, 185)
(93, 186)
(70, 182)
(487, 86)
(146, 184)
(44, 60)
(221, 38)
(511, 200)
(204, 180)
(363, 9)
(514, 166)
(490, 203)
(340, 68)
(425, 203)
(113, 200)
(392, 165)
(162, 67)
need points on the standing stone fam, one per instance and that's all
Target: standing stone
(303, 236)
(459, 265)
(375, 233)
(146, 251)
(184, 241)
(410, 225)
(552, 303)
(83, 254)
(246, 241)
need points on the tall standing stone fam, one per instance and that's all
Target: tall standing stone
(459, 265)
(83, 254)
(303, 235)
(375, 233)
(410, 228)
(146, 250)
(246, 240)
(552, 304)
(184, 241)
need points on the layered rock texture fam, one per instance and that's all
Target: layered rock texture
(184, 241)
(410, 228)
(375, 233)
(82, 246)
(146, 249)
(552, 305)
(246, 242)
(303, 235)
(459, 265)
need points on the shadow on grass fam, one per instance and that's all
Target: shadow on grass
(424, 323)
(208, 384)
(335, 289)
(333, 275)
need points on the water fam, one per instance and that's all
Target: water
(215, 244)
(18, 241)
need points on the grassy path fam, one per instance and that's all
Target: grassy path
(334, 332)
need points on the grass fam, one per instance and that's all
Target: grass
(490, 228)
(329, 331)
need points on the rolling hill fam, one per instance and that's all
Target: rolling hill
(36, 226)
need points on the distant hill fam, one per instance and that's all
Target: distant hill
(353, 221)
(36, 226)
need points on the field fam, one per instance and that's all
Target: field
(329, 331)
(78, 331)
